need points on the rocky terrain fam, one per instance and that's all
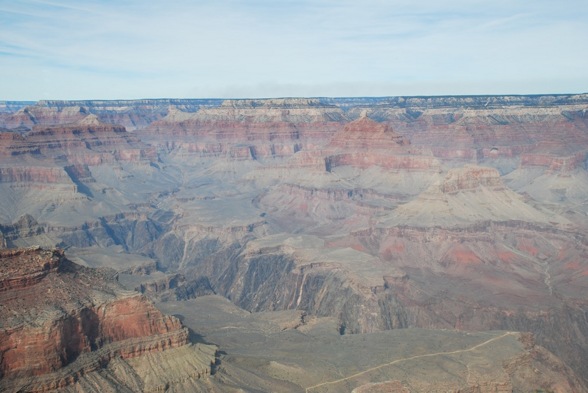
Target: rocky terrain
(264, 352)
(65, 326)
(366, 215)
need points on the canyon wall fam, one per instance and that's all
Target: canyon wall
(464, 213)
(61, 321)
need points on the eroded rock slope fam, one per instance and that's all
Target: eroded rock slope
(464, 213)
(65, 326)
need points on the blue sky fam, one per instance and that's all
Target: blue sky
(62, 49)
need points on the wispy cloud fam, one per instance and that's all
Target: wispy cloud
(133, 48)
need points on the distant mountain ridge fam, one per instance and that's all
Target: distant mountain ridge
(474, 101)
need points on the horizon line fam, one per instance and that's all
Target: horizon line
(296, 97)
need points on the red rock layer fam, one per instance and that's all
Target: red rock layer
(364, 143)
(31, 115)
(53, 311)
(33, 175)
(36, 268)
(554, 162)
(365, 133)
(247, 129)
(551, 132)
(87, 142)
(105, 142)
(13, 144)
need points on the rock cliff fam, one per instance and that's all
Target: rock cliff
(248, 129)
(364, 143)
(131, 114)
(62, 322)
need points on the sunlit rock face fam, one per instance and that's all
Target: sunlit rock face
(62, 321)
(464, 213)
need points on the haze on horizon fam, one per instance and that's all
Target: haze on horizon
(64, 49)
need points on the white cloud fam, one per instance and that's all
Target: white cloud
(131, 48)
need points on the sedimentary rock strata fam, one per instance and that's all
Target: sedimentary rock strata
(465, 213)
(62, 322)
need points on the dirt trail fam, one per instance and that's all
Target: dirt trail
(308, 389)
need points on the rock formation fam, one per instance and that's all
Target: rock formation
(131, 114)
(464, 213)
(62, 323)
(248, 129)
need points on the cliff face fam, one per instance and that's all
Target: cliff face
(364, 143)
(504, 132)
(61, 321)
(29, 116)
(49, 168)
(85, 142)
(131, 114)
(470, 178)
(365, 133)
(33, 175)
(248, 129)
(89, 142)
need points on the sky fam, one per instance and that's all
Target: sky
(130, 49)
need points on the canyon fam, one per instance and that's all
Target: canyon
(301, 237)
(65, 326)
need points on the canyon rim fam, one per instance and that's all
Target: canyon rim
(395, 244)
